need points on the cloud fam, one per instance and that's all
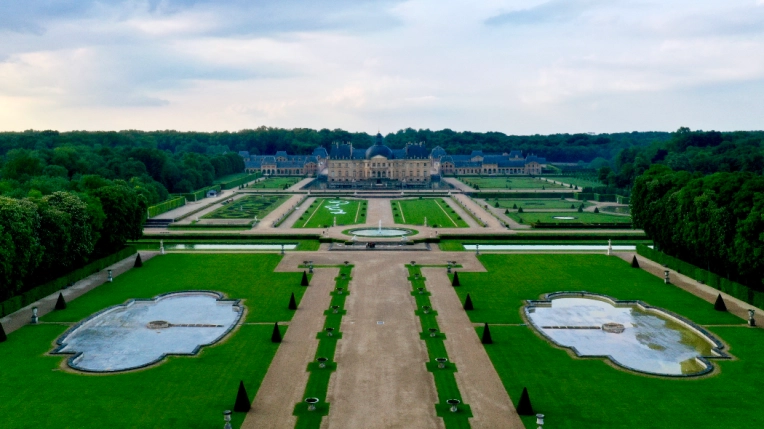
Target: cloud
(554, 10)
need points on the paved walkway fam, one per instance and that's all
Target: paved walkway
(44, 306)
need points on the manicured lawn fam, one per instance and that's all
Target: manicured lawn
(581, 182)
(585, 217)
(438, 213)
(576, 393)
(509, 182)
(248, 207)
(275, 183)
(539, 203)
(322, 211)
(187, 392)
(231, 177)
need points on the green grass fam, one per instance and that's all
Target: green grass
(248, 207)
(230, 178)
(585, 217)
(445, 382)
(533, 204)
(318, 380)
(275, 183)
(438, 213)
(575, 393)
(509, 182)
(188, 392)
(578, 181)
(319, 213)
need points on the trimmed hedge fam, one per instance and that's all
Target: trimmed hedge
(211, 226)
(166, 206)
(240, 181)
(199, 194)
(739, 291)
(622, 200)
(30, 296)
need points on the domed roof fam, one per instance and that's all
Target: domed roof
(379, 149)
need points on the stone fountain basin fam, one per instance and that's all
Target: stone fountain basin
(379, 232)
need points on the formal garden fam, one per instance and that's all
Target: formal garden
(322, 213)
(592, 392)
(179, 391)
(248, 207)
(275, 183)
(436, 211)
(570, 216)
(535, 204)
(509, 182)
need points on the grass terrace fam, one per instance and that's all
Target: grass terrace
(248, 207)
(230, 178)
(181, 391)
(275, 183)
(510, 182)
(322, 212)
(438, 213)
(535, 204)
(574, 392)
(529, 217)
(581, 182)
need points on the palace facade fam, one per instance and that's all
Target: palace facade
(414, 165)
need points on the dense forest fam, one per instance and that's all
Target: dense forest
(712, 221)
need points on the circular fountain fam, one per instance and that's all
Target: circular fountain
(379, 232)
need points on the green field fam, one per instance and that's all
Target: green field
(509, 182)
(321, 213)
(275, 183)
(585, 217)
(230, 178)
(535, 204)
(581, 182)
(182, 391)
(248, 207)
(438, 213)
(578, 393)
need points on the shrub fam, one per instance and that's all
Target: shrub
(292, 302)
(634, 262)
(506, 211)
(524, 407)
(719, 305)
(61, 302)
(486, 339)
(596, 210)
(138, 261)
(276, 335)
(455, 281)
(468, 303)
(580, 209)
(572, 206)
(304, 281)
(514, 206)
(496, 204)
(242, 404)
(3, 337)
(520, 210)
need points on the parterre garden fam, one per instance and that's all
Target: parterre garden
(574, 392)
(185, 391)
(437, 212)
(248, 207)
(509, 182)
(275, 183)
(322, 212)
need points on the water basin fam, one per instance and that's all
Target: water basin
(142, 332)
(631, 334)
(560, 247)
(564, 217)
(379, 232)
(229, 247)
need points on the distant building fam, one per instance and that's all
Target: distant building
(413, 165)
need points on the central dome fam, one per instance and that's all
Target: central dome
(379, 150)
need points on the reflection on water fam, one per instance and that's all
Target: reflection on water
(379, 232)
(651, 341)
(229, 246)
(618, 247)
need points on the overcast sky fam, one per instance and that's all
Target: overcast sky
(515, 66)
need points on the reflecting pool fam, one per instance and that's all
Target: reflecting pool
(229, 247)
(561, 247)
(379, 232)
(630, 333)
(143, 332)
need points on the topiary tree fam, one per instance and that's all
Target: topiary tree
(514, 206)
(596, 210)
(455, 281)
(60, 302)
(138, 261)
(506, 211)
(520, 210)
(292, 302)
(304, 281)
(719, 305)
(634, 263)
(524, 407)
(3, 337)
(242, 404)
(580, 209)
(468, 303)
(486, 335)
(276, 335)
(572, 206)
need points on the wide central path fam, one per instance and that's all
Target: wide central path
(381, 379)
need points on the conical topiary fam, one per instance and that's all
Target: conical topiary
(580, 209)
(3, 337)
(519, 209)
(61, 302)
(292, 302)
(304, 281)
(455, 281)
(634, 262)
(596, 210)
(506, 211)
(242, 404)
(276, 335)
(486, 335)
(719, 305)
(524, 407)
(138, 261)
(468, 303)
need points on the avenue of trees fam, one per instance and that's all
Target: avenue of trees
(713, 221)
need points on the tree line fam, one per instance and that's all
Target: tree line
(46, 237)
(712, 221)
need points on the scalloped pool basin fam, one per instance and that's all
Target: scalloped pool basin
(229, 247)
(122, 337)
(376, 232)
(561, 247)
(652, 341)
